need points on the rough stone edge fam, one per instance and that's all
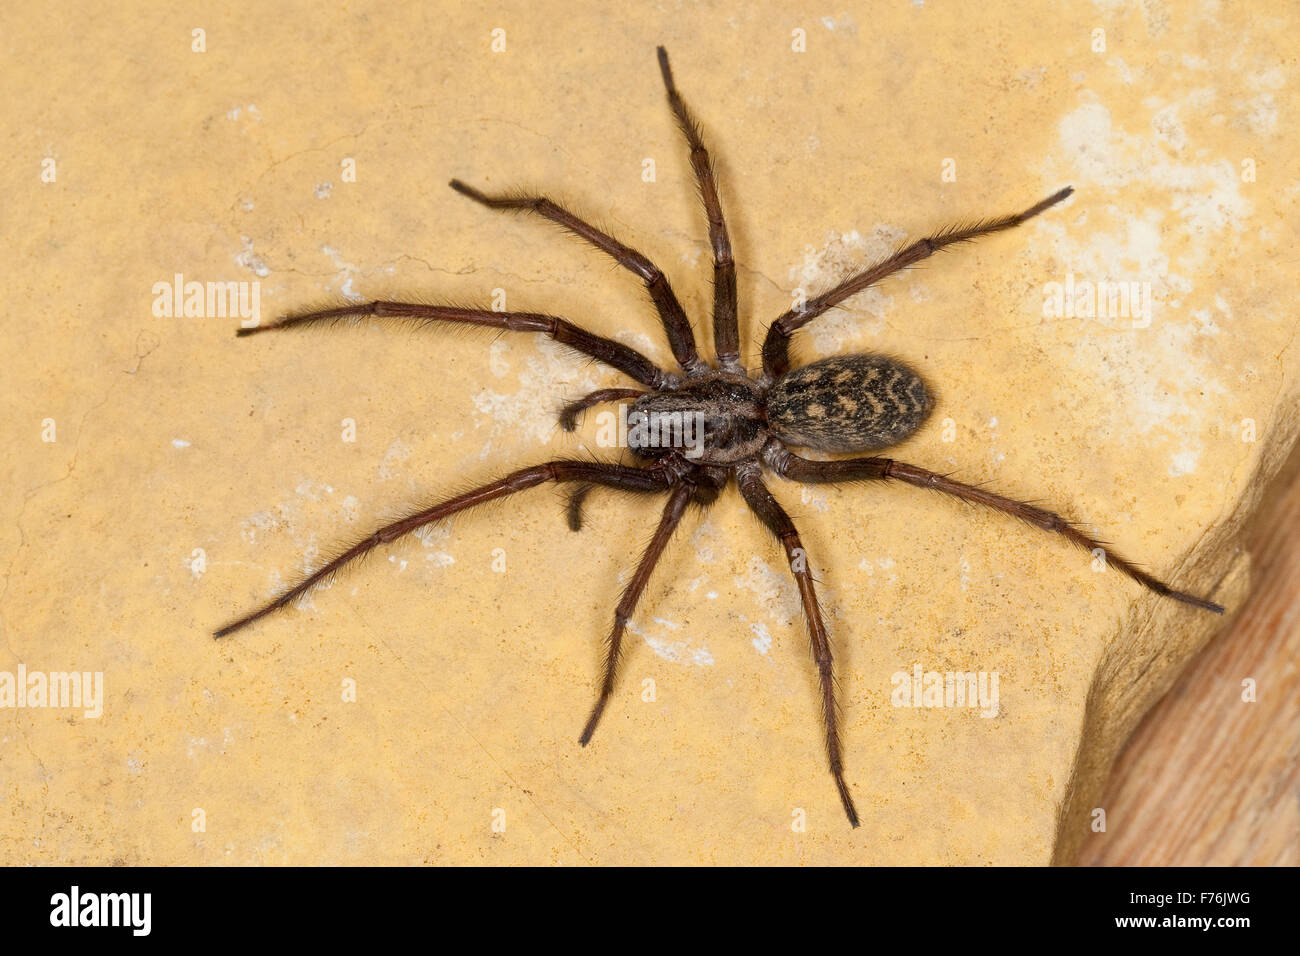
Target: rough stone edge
(1142, 664)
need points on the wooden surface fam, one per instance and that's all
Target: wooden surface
(1209, 779)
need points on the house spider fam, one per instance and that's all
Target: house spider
(845, 404)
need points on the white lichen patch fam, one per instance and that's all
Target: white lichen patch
(822, 268)
(774, 589)
(996, 454)
(1168, 385)
(497, 363)
(813, 497)
(1259, 113)
(347, 272)
(432, 537)
(547, 373)
(301, 517)
(250, 111)
(845, 22)
(246, 258)
(677, 650)
(872, 565)
(1184, 462)
(640, 341)
(706, 539)
(312, 490)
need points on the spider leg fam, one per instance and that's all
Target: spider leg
(570, 412)
(705, 494)
(672, 516)
(859, 469)
(676, 325)
(627, 360)
(577, 498)
(776, 346)
(726, 335)
(770, 512)
(617, 476)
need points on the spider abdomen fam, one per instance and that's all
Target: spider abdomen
(848, 403)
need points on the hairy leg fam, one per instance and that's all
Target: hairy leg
(769, 510)
(617, 476)
(672, 516)
(676, 325)
(614, 354)
(776, 346)
(726, 333)
(570, 412)
(706, 494)
(865, 469)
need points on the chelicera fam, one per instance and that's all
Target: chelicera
(740, 423)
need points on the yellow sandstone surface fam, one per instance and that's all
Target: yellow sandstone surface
(164, 476)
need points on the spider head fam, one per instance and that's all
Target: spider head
(716, 420)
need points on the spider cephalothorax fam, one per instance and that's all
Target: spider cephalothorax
(698, 430)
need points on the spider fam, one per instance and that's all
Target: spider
(848, 404)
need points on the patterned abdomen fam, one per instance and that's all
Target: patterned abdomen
(848, 403)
